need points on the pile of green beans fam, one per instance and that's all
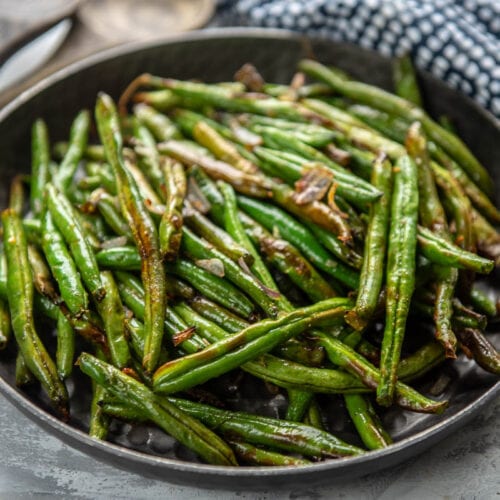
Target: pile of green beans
(209, 232)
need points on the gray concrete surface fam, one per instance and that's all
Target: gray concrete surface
(35, 464)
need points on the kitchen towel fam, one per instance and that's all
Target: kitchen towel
(458, 41)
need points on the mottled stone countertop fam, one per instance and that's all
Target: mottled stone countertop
(35, 464)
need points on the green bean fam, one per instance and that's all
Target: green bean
(128, 259)
(234, 227)
(254, 185)
(302, 133)
(186, 429)
(46, 307)
(261, 431)
(132, 295)
(372, 272)
(405, 80)
(477, 197)
(120, 258)
(87, 184)
(329, 218)
(23, 375)
(303, 352)
(400, 272)
(69, 225)
(65, 353)
(253, 455)
(406, 397)
(291, 230)
(162, 100)
(111, 312)
(313, 89)
(20, 297)
(213, 287)
(42, 278)
(357, 134)
(275, 165)
(346, 254)
(298, 404)
(92, 152)
(486, 236)
(105, 175)
(210, 193)
(366, 422)
(77, 144)
(40, 159)
(311, 134)
(159, 124)
(142, 227)
(484, 353)
(214, 323)
(287, 436)
(313, 416)
(483, 302)
(5, 325)
(16, 194)
(262, 187)
(291, 262)
(460, 211)
(147, 155)
(220, 147)
(149, 196)
(279, 164)
(89, 327)
(443, 309)
(63, 267)
(186, 120)
(445, 253)
(290, 374)
(170, 231)
(32, 229)
(196, 248)
(99, 421)
(109, 210)
(221, 240)
(217, 314)
(385, 101)
(135, 333)
(122, 411)
(447, 123)
(349, 186)
(432, 216)
(232, 351)
(466, 317)
(393, 127)
(308, 315)
(201, 94)
(237, 137)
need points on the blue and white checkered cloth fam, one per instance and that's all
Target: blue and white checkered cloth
(458, 41)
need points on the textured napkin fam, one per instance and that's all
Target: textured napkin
(458, 41)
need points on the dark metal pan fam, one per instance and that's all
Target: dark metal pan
(214, 56)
